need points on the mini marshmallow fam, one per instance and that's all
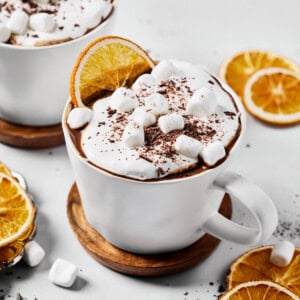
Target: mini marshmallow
(143, 117)
(124, 100)
(202, 103)
(79, 116)
(164, 70)
(18, 21)
(157, 104)
(212, 153)
(63, 273)
(133, 135)
(42, 22)
(282, 254)
(144, 80)
(170, 122)
(5, 33)
(33, 253)
(188, 146)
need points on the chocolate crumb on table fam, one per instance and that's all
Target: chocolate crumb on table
(221, 288)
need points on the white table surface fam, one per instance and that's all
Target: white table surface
(204, 32)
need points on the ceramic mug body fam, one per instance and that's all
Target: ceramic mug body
(34, 82)
(165, 215)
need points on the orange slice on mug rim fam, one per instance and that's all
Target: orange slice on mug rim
(105, 65)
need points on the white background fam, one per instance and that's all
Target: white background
(205, 32)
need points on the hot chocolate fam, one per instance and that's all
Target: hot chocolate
(176, 121)
(47, 22)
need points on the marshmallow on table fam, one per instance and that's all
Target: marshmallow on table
(202, 103)
(212, 153)
(63, 273)
(5, 33)
(143, 117)
(33, 253)
(144, 80)
(17, 22)
(124, 100)
(282, 254)
(133, 135)
(42, 22)
(157, 104)
(188, 146)
(171, 122)
(164, 70)
(79, 116)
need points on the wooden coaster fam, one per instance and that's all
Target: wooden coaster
(29, 136)
(136, 264)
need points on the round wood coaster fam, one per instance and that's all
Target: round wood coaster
(29, 136)
(137, 264)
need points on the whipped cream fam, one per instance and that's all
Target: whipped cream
(46, 22)
(174, 138)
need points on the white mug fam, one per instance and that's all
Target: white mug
(34, 81)
(169, 214)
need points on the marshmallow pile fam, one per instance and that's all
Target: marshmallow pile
(20, 21)
(50, 21)
(169, 120)
(156, 109)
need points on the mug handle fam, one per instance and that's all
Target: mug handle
(255, 199)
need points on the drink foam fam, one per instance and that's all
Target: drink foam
(46, 22)
(153, 152)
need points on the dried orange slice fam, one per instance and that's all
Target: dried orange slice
(273, 95)
(16, 210)
(5, 170)
(238, 69)
(106, 64)
(11, 254)
(259, 290)
(256, 265)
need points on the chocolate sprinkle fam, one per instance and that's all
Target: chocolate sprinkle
(221, 289)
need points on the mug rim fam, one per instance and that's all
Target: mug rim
(160, 180)
(63, 44)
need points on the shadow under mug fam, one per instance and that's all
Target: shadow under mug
(34, 81)
(167, 215)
